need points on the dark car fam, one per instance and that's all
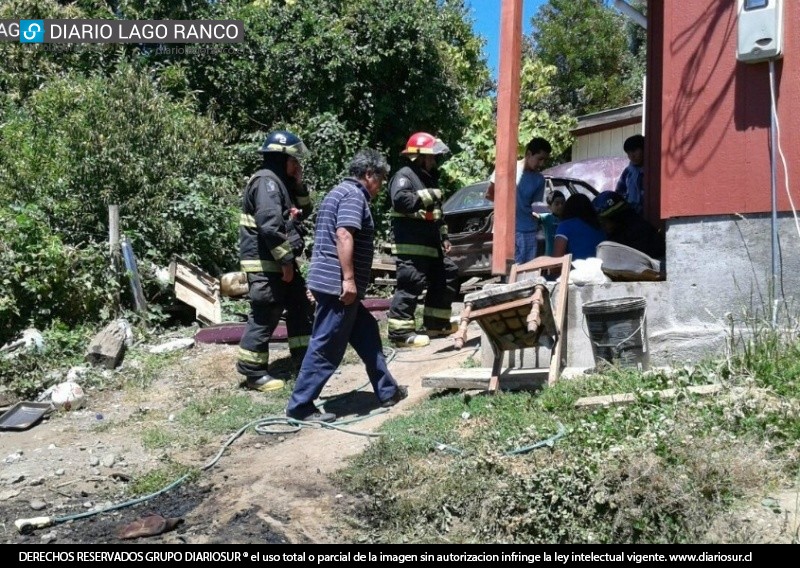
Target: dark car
(469, 215)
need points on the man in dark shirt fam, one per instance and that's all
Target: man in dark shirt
(338, 278)
(623, 225)
(631, 182)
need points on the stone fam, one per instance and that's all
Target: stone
(108, 347)
(10, 494)
(170, 346)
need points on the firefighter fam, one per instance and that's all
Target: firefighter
(421, 246)
(274, 203)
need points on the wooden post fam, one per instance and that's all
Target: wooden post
(507, 135)
(113, 245)
(113, 232)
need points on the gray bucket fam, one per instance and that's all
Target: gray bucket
(618, 332)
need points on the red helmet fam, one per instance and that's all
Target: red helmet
(424, 143)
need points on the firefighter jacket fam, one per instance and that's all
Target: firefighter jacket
(270, 226)
(417, 219)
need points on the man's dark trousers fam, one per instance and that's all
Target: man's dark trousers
(336, 325)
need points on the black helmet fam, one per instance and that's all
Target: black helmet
(284, 142)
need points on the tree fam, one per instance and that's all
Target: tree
(80, 144)
(477, 156)
(383, 68)
(589, 45)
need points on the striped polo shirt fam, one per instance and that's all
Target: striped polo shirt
(346, 205)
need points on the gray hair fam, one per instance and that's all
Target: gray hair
(368, 160)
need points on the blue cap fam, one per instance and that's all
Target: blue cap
(608, 202)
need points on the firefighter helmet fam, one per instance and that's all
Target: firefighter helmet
(424, 143)
(284, 142)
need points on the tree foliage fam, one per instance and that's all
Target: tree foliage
(169, 134)
(80, 144)
(476, 158)
(43, 278)
(590, 46)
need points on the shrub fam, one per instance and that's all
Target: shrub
(42, 278)
(80, 144)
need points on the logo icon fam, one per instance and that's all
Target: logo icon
(31, 31)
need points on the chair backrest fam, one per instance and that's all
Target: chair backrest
(540, 263)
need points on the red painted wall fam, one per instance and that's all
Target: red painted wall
(708, 114)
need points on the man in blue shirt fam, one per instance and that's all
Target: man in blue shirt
(530, 190)
(338, 278)
(631, 182)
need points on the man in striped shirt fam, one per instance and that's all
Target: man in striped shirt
(338, 278)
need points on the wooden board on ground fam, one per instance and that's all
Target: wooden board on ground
(477, 378)
(198, 289)
(381, 266)
(629, 397)
(477, 283)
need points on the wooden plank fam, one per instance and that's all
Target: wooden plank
(629, 397)
(383, 266)
(478, 378)
(560, 319)
(198, 289)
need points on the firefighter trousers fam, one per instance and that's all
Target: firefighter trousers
(269, 296)
(414, 274)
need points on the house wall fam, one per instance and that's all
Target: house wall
(708, 172)
(604, 143)
(713, 112)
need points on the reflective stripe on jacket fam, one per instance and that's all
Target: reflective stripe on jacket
(417, 219)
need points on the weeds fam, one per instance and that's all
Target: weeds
(225, 413)
(654, 471)
(157, 479)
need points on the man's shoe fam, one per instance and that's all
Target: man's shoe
(313, 416)
(265, 383)
(443, 332)
(399, 394)
(415, 340)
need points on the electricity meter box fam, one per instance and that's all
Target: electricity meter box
(760, 30)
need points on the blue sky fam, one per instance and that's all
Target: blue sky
(486, 22)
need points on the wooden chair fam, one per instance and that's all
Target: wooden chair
(531, 316)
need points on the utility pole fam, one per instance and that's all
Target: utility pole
(505, 173)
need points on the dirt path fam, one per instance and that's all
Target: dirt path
(265, 488)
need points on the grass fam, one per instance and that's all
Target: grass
(225, 413)
(157, 479)
(463, 469)
(158, 438)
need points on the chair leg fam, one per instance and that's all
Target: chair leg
(494, 382)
